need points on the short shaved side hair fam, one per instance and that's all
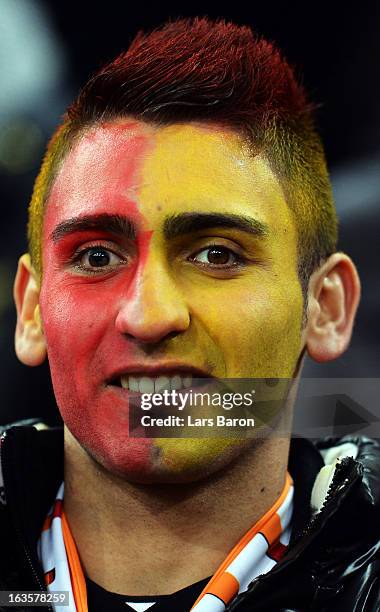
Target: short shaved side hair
(217, 72)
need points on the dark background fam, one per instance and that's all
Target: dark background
(47, 50)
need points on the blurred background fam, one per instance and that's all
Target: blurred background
(47, 51)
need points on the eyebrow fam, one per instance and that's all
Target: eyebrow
(114, 224)
(174, 225)
(186, 223)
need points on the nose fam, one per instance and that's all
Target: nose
(152, 308)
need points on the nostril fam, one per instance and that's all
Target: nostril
(150, 345)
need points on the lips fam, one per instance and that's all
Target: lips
(156, 384)
(158, 378)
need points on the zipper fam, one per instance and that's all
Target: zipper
(345, 474)
(37, 580)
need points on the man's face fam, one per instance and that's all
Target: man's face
(139, 282)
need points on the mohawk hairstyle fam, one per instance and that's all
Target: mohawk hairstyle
(214, 71)
(202, 70)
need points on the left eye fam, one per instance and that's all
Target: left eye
(98, 257)
(216, 256)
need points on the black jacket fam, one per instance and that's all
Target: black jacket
(332, 563)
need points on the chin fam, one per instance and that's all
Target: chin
(169, 460)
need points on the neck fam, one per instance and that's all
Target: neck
(147, 536)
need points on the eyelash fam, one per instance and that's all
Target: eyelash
(78, 255)
(76, 258)
(239, 259)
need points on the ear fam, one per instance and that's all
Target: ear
(29, 338)
(334, 293)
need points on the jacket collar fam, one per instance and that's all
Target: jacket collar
(32, 465)
(323, 549)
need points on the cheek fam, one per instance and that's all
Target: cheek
(270, 339)
(258, 331)
(79, 316)
(80, 338)
(79, 332)
(73, 320)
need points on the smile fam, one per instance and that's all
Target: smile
(159, 377)
(156, 384)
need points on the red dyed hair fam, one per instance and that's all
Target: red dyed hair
(203, 70)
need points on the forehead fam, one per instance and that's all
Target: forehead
(127, 166)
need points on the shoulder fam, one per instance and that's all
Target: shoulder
(31, 457)
(37, 423)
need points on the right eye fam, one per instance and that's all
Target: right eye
(97, 259)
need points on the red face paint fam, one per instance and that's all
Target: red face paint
(245, 324)
(100, 176)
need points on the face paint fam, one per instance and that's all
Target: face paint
(98, 177)
(161, 301)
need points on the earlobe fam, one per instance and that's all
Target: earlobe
(29, 337)
(334, 293)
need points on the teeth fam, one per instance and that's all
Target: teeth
(161, 384)
(187, 380)
(176, 382)
(133, 383)
(148, 384)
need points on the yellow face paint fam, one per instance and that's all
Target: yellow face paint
(247, 324)
(162, 299)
